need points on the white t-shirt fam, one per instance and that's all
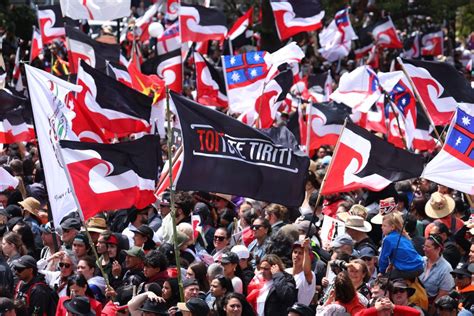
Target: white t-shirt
(237, 285)
(262, 297)
(305, 290)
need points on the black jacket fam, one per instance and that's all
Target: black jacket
(282, 294)
(35, 297)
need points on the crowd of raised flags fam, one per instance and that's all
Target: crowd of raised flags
(233, 118)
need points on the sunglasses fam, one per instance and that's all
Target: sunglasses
(19, 270)
(64, 265)
(399, 290)
(219, 238)
(460, 276)
(256, 227)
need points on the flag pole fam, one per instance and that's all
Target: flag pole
(81, 214)
(313, 218)
(399, 60)
(308, 126)
(390, 102)
(172, 204)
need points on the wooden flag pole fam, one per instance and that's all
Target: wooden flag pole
(172, 206)
(313, 218)
(399, 60)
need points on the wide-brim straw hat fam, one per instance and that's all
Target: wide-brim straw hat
(226, 197)
(355, 210)
(31, 205)
(358, 223)
(439, 205)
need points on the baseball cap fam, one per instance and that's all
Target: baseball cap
(144, 230)
(25, 261)
(136, 252)
(189, 282)
(367, 252)
(47, 228)
(342, 240)
(462, 269)
(229, 257)
(241, 251)
(82, 239)
(195, 305)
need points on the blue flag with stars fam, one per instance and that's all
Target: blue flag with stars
(244, 76)
(453, 166)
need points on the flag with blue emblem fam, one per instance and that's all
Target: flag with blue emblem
(453, 166)
(244, 77)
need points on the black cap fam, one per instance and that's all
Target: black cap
(71, 223)
(25, 261)
(189, 282)
(145, 231)
(6, 305)
(462, 269)
(13, 211)
(367, 252)
(154, 307)
(79, 305)
(301, 310)
(229, 257)
(195, 305)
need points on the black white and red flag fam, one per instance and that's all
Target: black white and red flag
(364, 43)
(327, 120)
(319, 86)
(385, 34)
(51, 22)
(217, 146)
(15, 121)
(120, 73)
(375, 118)
(210, 83)
(168, 67)
(363, 160)
(113, 176)
(94, 53)
(272, 99)
(115, 107)
(199, 24)
(170, 40)
(440, 86)
(241, 25)
(411, 46)
(432, 43)
(36, 45)
(296, 16)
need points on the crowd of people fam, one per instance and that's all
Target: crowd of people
(404, 251)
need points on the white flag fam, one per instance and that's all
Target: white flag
(53, 123)
(103, 10)
(7, 180)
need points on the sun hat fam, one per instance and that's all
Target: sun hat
(31, 205)
(439, 205)
(96, 225)
(356, 209)
(358, 223)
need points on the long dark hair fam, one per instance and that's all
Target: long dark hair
(174, 299)
(247, 309)
(79, 280)
(200, 274)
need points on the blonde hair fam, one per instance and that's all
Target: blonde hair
(396, 220)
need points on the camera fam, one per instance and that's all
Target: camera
(338, 265)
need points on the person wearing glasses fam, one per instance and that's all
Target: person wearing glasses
(258, 247)
(221, 243)
(436, 277)
(57, 280)
(32, 294)
(400, 292)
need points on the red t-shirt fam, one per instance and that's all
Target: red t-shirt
(62, 311)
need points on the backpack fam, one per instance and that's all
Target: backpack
(54, 298)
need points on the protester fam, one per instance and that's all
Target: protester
(304, 278)
(77, 287)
